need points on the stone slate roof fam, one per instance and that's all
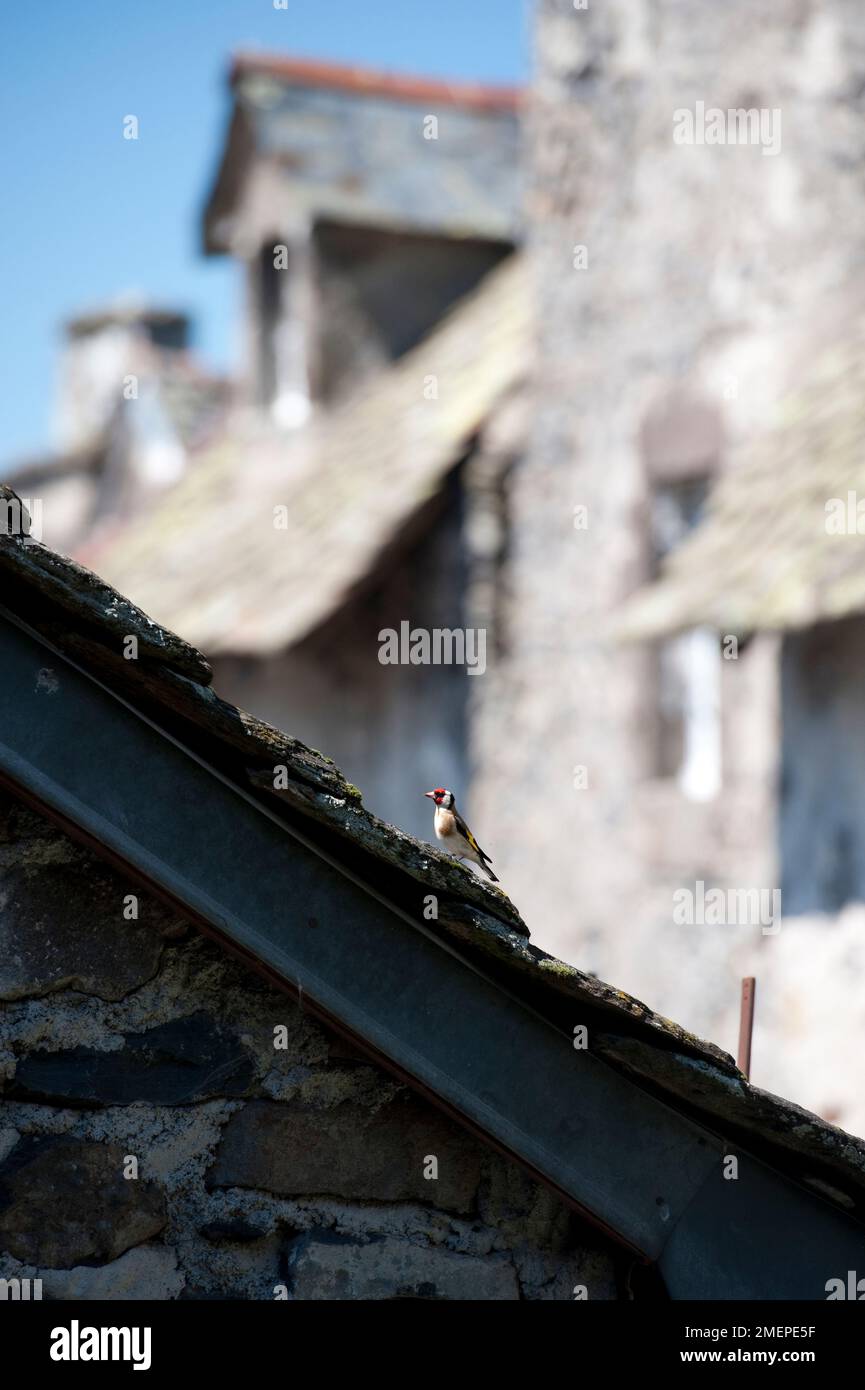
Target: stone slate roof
(349, 144)
(170, 683)
(350, 485)
(762, 558)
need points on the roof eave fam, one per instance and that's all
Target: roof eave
(222, 199)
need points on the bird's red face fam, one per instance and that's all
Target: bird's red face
(438, 795)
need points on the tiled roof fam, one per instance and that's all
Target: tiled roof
(766, 556)
(347, 486)
(83, 619)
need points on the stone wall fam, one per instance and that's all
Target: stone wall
(174, 1127)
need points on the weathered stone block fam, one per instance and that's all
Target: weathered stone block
(235, 1231)
(562, 1278)
(179, 1063)
(62, 927)
(65, 1202)
(522, 1210)
(149, 1272)
(349, 1152)
(326, 1267)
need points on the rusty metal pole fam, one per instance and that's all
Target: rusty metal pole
(746, 1024)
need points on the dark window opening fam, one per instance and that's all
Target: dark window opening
(268, 292)
(380, 292)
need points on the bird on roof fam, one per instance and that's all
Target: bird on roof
(453, 834)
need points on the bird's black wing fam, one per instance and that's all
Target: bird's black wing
(467, 834)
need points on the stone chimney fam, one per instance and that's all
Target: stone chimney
(105, 356)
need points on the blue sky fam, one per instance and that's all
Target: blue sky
(89, 216)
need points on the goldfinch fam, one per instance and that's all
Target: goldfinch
(453, 833)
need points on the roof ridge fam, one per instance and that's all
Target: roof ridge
(314, 72)
(57, 579)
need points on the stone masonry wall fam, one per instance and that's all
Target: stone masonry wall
(156, 1143)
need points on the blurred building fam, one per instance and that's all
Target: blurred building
(370, 217)
(601, 449)
(133, 408)
(361, 207)
(684, 290)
